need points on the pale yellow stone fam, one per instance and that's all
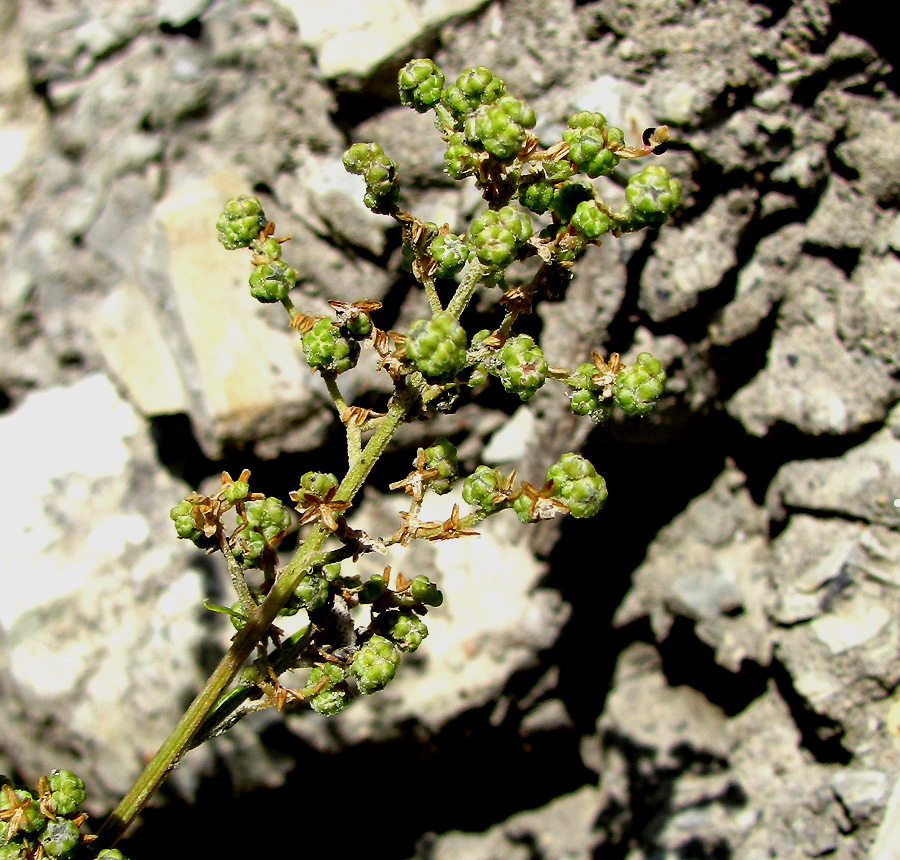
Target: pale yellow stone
(245, 366)
(126, 331)
(355, 36)
(23, 119)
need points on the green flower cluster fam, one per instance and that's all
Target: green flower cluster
(523, 368)
(576, 482)
(311, 592)
(441, 456)
(639, 386)
(265, 522)
(450, 253)
(437, 346)
(483, 489)
(587, 399)
(375, 664)
(46, 824)
(379, 172)
(328, 350)
(651, 196)
(473, 88)
(497, 234)
(318, 483)
(421, 85)
(240, 222)
(420, 592)
(183, 515)
(271, 282)
(404, 628)
(593, 144)
(325, 690)
(501, 128)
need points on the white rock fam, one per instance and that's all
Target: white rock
(355, 36)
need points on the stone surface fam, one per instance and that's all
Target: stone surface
(355, 37)
(709, 566)
(101, 628)
(688, 262)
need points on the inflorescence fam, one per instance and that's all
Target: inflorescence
(540, 203)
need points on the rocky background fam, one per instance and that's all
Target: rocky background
(707, 670)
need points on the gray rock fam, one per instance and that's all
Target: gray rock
(564, 829)
(714, 574)
(100, 631)
(358, 39)
(863, 483)
(689, 261)
(798, 384)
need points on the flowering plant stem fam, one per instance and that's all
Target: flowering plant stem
(246, 639)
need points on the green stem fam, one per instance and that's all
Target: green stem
(222, 716)
(434, 301)
(466, 289)
(246, 639)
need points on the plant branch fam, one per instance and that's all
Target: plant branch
(247, 638)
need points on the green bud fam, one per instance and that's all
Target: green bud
(404, 628)
(592, 144)
(67, 791)
(423, 590)
(474, 87)
(450, 252)
(441, 456)
(538, 196)
(332, 571)
(328, 350)
(329, 702)
(522, 506)
(111, 854)
(272, 249)
(640, 385)
(324, 676)
(240, 222)
(587, 400)
(359, 327)
(437, 346)
(379, 172)
(31, 818)
(651, 195)
(501, 128)
(576, 482)
(370, 591)
(497, 235)
(268, 516)
(460, 159)
(569, 196)
(185, 524)
(271, 282)
(483, 490)
(523, 368)
(60, 837)
(312, 591)
(375, 664)
(236, 491)
(421, 83)
(318, 483)
(590, 220)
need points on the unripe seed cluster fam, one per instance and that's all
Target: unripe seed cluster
(489, 139)
(45, 823)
